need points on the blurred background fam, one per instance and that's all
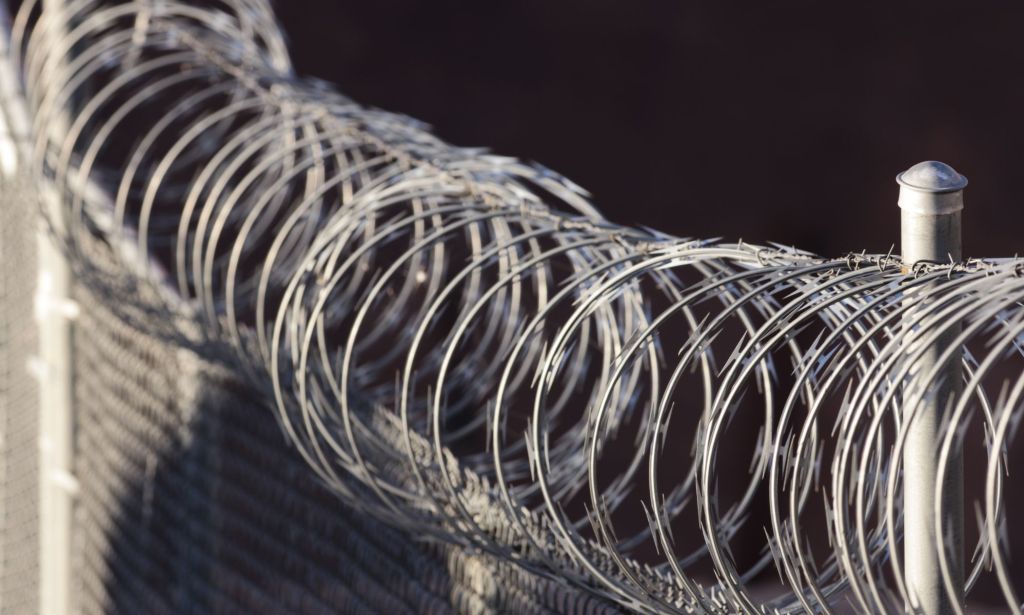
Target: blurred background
(783, 121)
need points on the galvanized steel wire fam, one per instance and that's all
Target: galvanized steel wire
(462, 345)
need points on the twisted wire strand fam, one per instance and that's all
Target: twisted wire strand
(461, 345)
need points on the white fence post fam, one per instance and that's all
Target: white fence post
(57, 483)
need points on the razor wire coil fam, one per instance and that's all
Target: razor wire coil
(462, 345)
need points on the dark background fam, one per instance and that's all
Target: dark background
(768, 121)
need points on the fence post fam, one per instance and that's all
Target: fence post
(931, 200)
(54, 312)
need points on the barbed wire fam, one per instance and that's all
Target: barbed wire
(462, 345)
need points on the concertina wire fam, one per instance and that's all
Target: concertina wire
(461, 345)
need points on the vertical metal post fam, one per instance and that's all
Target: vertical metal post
(57, 484)
(931, 200)
(55, 311)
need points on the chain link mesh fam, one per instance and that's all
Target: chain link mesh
(19, 479)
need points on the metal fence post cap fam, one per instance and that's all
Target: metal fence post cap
(932, 188)
(932, 176)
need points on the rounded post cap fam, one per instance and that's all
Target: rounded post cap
(932, 176)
